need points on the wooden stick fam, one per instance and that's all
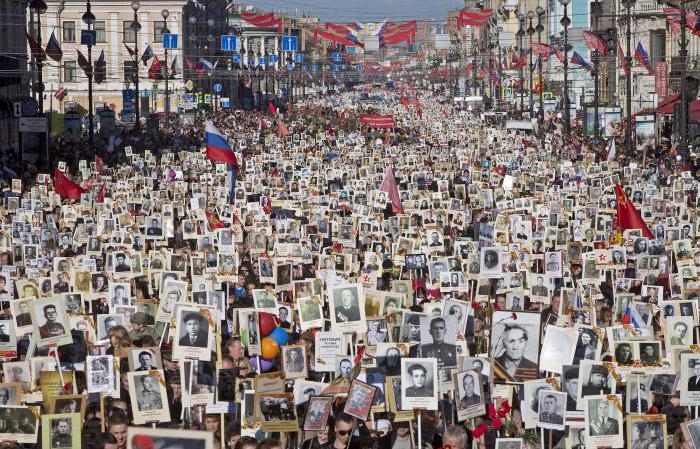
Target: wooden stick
(420, 430)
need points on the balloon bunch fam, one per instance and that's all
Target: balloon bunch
(273, 338)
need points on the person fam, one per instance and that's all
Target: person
(420, 388)
(455, 437)
(294, 362)
(649, 354)
(344, 367)
(539, 289)
(62, 436)
(117, 427)
(342, 431)
(435, 240)
(4, 396)
(623, 354)
(119, 298)
(51, 328)
(391, 362)
(549, 413)
(469, 397)
(445, 353)
(680, 329)
(597, 382)
(284, 318)
(154, 228)
(490, 259)
(145, 361)
(348, 309)
(375, 334)
(694, 380)
(571, 385)
(121, 266)
(553, 263)
(512, 345)
(196, 331)
(23, 318)
(149, 397)
(603, 424)
(356, 402)
(4, 336)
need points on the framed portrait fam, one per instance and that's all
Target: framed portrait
(551, 412)
(310, 312)
(679, 331)
(162, 438)
(294, 361)
(18, 372)
(61, 430)
(637, 393)
(690, 378)
(419, 383)
(360, 399)
(348, 308)
(469, 395)
(145, 359)
(22, 425)
(149, 400)
(317, 412)
(21, 312)
(8, 340)
(558, 347)
(195, 327)
(51, 321)
(100, 373)
(595, 379)
(646, 430)
(515, 342)
(248, 327)
(691, 431)
(69, 403)
(10, 393)
(277, 412)
(509, 443)
(603, 420)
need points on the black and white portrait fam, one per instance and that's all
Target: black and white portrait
(419, 383)
(551, 412)
(515, 345)
(438, 335)
(194, 331)
(347, 308)
(469, 395)
(604, 420)
(294, 361)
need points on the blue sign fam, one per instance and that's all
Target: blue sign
(289, 43)
(271, 58)
(314, 68)
(237, 58)
(127, 100)
(304, 68)
(261, 61)
(337, 57)
(290, 67)
(217, 87)
(344, 67)
(169, 41)
(224, 103)
(229, 43)
(88, 37)
(299, 58)
(335, 68)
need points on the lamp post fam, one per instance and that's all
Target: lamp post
(89, 20)
(530, 33)
(520, 33)
(597, 12)
(39, 8)
(683, 54)
(136, 26)
(539, 28)
(628, 4)
(165, 14)
(565, 22)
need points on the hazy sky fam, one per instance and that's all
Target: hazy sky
(364, 10)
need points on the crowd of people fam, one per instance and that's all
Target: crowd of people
(444, 282)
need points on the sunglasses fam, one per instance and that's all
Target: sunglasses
(342, 433)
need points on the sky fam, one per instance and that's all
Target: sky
(364, 10)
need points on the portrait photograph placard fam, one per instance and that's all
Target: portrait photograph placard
(51, 322)
(604, 420)
(166, 438)
(149, 399)
(69, 403)
(509, 443)
(347, 308)
(195, 328)
(100, 373)
(21, 426)
(61, 430)
(318, 410)
(277, 412)
(646, 431)
(10, 393)
(690, 378)
(360, 398)
(310, 312)
(515, 345)
(294, 361)
(551, 412)
(691, 431)
(145, 359)
(469, 395)
(419, 383)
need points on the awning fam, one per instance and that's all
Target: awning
(666, 105)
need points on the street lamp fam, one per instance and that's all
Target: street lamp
(683, 54)
(530, 32)
(520, 33)
(136, 27)
(39, 8)
(539, 28)
(565, 22)
(597, 12)
(164, 14)
(628, 4)
(89, 20)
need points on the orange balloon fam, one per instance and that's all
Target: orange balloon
(270, 348)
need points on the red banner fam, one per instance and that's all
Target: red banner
(661, 78)
(378, 121)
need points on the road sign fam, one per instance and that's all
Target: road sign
(229, 43)
(290, 67)
(314, 68)
(337, 57)
(88, 37)
(217, 87)
(169, 41)
(261, 61)
(32, 124)
(335, 68)
(289, 43)
(299, 58)
(272, 59)
(237, 58)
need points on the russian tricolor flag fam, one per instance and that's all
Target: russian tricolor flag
(218, 148)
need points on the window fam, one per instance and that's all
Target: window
(68, 31)
(658, 45)
(158, 30)
(69, 72)
(129, 34)
(100, 33)
(129, 71)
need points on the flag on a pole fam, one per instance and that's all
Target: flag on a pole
(579, 61)
(173, 68)
(60, 93)
(391, 188)
(154, 72)
(147, 54)
(131, 51)
(101, 68)
(558, 53)
(641, 55)
(628, 217)
(214, 221)
(66, 188)
(218, 148)
(595, 42)
(36, 49)
(623, 59)
(84, 64)
(53, 50)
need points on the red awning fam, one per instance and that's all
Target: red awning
(665, 106)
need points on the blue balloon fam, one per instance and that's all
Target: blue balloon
(265, 365)
(280, 336)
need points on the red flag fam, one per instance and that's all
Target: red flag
(36, 49)
(214, 221)
(66, 188)
(99, 164)
(628, 216)
(84, 63)
(271, 107)
(595, 42)
(390, 187)
(623, 60)
(131, 52)
(282, 130)
(101, 194)
(154, 72)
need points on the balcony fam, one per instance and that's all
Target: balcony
(648, 6)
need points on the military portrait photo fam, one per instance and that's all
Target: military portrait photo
(318, 410)
(194, 331)
(515, 345)
(18, 425)
(51, 321)
(419, 383)
(469, 395)
(294, 361)
(347, 308)
(594, 379)
(604, 420)
(148, 397)
(689, 383)
(648, 431)
(437, 337)
(360, 398)
(552, 409)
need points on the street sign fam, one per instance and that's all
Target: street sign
(32, 124)
(217, 87)
(169, 41)
(290, 67)
(261, 61)
(336, 68)
(229, 43)
(337, 57)
(299, 58)
(289, 43)
(314, 68)
(272, 59)
(237, 58)
(88, 37)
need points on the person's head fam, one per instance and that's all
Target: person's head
(680, 329)
(549, 404)
(193, 324)
(62, 427)
(515, 339)
(598, 377)
(455, 437)
(145, 358)
(456, 311)
(50, 312)
(347, 297)
(246, 442)
(468, 384)
(649, 350)
(696, 368)
(603, 409)
(418, 374)
(623, 352)
(23, 307)
(4, 396)
(118, 423)
(344, 367)
(343, 427)
(571, 379)
(149, 383)
(585, 338)
(295, 355)
(437, 329)
(3, 329)
(211, 423)
(393, 356)
(283, 313)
